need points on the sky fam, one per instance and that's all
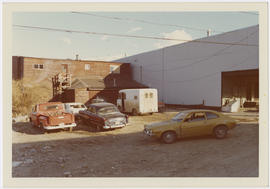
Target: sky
(31, 42)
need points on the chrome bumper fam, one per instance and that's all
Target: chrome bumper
(114, 126)
(60, 126)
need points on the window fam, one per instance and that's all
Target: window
(114, 69)
(211, 115)
(38, 66)
(151, 95)
(87, 67)
(198, 116)
(135, 97)
(145, 95)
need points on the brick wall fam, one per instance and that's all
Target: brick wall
(51, 67)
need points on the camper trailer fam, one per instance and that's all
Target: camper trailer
(138, 101)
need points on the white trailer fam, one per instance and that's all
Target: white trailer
(138, 101)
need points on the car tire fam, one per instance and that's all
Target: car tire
(99, 128)
(168, 137)
(220, 132)
(31, 122)
(43, 131)
(134, 112)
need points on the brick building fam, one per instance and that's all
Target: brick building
(89, 78)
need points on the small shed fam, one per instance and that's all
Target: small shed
(85, 89)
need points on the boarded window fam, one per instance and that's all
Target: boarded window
(87, 67)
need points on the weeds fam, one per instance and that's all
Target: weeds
(25, 97)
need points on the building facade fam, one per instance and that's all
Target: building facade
(88, 79)
(209, 71)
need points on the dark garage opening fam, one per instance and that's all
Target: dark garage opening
(242, 85)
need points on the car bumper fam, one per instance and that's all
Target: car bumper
(60, 126)
(114, 126)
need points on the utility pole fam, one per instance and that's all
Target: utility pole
(163, 75)
(141, 73)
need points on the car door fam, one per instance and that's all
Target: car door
(194, 125)
(212, 121)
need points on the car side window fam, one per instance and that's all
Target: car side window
(197, 116)
(211, 115)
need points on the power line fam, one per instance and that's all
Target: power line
(146, 22)
(217, 53)
(131, 36)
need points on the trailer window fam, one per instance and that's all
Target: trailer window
(146, 95)
(151, 95)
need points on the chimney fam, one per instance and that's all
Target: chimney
(77, 57)
(208, 32)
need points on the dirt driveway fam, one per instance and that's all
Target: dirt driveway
(127, 153)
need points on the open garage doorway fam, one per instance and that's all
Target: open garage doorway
(241, 86)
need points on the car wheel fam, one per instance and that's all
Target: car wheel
(220, 132)
(99, 128)
(42, 128)
(134, 112)
(168, 137)
(78, 120)
(31, 122)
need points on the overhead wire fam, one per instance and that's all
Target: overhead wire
(145, 21)
(131, 36)
(217, 53)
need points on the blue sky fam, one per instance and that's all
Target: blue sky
(63, 45)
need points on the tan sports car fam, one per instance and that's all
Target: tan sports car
(191, 123)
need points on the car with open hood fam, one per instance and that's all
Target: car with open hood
(190, 123)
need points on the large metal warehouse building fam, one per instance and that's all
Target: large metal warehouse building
(208, 71)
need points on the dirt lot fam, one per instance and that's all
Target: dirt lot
(127, 152)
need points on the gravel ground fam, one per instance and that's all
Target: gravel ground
(127, 152)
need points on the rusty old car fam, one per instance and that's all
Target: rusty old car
(102, 116)
(190, 123)
(51, 115)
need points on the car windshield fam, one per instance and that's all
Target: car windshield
(180, 116)
(107, 110)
